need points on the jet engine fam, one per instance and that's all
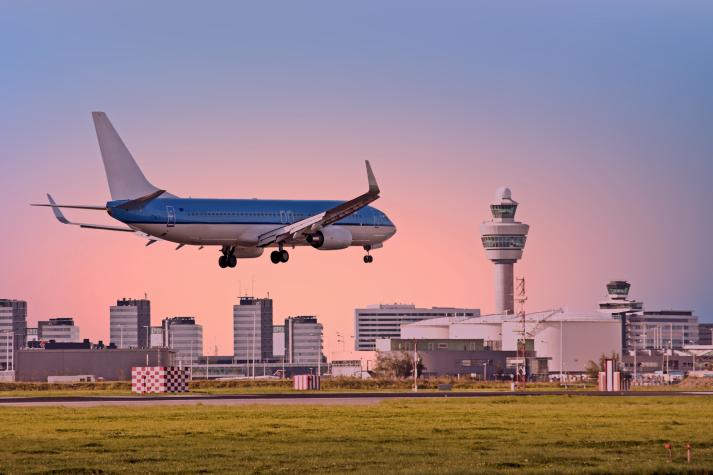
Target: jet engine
(330, 238)
(248, 252)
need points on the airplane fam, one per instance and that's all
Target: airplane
(242, 228)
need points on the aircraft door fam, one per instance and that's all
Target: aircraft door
(170, 216)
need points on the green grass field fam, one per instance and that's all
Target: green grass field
(546, 434)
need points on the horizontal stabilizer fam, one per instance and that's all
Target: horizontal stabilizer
(97, 208)
(60, 217)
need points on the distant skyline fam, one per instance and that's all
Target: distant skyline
(597, 116)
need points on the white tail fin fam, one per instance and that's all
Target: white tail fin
(126, 181)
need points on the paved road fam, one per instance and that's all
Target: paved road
(306, 398)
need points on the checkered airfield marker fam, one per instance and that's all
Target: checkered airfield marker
(159, 379)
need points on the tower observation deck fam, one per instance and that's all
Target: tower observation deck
(503, 239)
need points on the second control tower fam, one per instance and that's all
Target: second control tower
(503, 239)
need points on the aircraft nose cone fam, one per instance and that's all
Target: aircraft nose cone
(391, 232)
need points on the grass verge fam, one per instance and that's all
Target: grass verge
(548, 434)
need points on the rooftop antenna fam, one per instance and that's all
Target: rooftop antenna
(522, 341)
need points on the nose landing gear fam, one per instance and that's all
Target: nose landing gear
(228, 258)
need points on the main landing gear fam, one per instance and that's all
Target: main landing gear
(279, 256)
(228, 258)
(368, 259)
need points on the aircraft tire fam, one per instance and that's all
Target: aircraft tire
(232, 261)
(223, 262)
(275, 257)
(284, 256)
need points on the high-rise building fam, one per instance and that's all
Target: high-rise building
(61, 330)
(705, 333)
(303, 340)
(182, 335)
(13, 330)
(252, 329)
(129, 322)
(504, 239)
(278, 341)
(384, 321)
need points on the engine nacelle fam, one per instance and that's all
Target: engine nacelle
(248, 252)
(330, 238)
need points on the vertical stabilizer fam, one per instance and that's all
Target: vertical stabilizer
(126, 181)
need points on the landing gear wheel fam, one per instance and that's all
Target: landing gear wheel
(232, 261)
(276, 257)
(223, 262)
(284, 256)
(368, 259)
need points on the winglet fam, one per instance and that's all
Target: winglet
(373, 186)
(57, 212)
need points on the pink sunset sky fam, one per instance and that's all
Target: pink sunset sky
(598, 119)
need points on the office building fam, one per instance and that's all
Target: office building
(32, 335)
(662, 329)
(278, 341)
(504, 239)
(182, 335)
(157, 338)
(13, 330)
(303, 340)
(60, 329)
(384, 321)
(705, 333)
(252, 329)
(129, 322)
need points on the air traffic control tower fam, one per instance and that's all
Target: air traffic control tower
(503, 239)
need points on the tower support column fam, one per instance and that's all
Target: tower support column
(504, 291)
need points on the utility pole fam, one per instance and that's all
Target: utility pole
(522, 343)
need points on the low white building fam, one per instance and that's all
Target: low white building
(569, 339)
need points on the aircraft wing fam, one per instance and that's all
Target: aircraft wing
(60, 217)
(314, 223)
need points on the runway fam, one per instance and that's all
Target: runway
(314, 398)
